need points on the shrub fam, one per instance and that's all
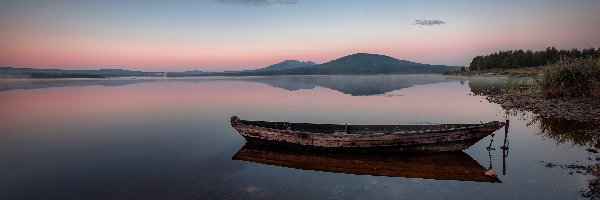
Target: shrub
(576, 79)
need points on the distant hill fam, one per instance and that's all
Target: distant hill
(62, 73)
(288, 64)
(355, 64)
(186, 73)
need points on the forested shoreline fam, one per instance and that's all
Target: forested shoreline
(528, 58)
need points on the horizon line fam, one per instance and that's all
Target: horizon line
(197, 69)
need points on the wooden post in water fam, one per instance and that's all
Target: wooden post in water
(504, 155)
(505, 145)
(504, 148)
(346, 129)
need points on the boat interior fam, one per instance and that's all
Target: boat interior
(356, 129)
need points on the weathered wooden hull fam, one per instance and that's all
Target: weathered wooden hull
(412, 139)
(439, 166)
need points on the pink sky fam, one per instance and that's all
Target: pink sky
(213, 36)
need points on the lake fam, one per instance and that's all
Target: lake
(153, 138)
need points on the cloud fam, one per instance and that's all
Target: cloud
(257, 2)
(427, 22)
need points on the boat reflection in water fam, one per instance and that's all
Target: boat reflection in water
(439, 166)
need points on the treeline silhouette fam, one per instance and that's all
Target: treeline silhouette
(62, 75)
(520, 58)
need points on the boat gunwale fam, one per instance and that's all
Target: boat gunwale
(472, 127)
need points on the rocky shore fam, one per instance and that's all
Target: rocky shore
(579, 109)
(582, 109)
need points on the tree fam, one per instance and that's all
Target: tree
(520, 58)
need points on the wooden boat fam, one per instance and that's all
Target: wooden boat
(365, 138)
(438, 166)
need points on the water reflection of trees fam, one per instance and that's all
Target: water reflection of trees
(487, 86)
(497, 85)
(567, 131)
(576, 133)
(584, 134)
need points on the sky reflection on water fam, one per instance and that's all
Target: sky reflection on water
(157, 139)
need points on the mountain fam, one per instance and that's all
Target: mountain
(363, 63)
(360, 63)
(288, 64)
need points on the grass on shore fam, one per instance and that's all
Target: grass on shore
(578, 78)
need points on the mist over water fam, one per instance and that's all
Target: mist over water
(171, 138)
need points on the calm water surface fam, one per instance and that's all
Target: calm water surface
(171, 139)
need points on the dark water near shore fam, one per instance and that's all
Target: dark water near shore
(171, 139)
